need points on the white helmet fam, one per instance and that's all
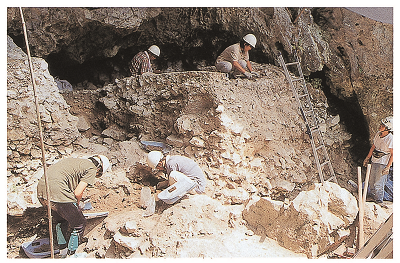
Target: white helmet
(155, 50)
(103, 161)
(250, 39)
(153, 158)
(388, 122)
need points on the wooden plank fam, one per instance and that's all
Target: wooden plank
(360, 211)
(386, 251)
(376, 239)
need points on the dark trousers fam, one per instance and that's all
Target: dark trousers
(69, 216)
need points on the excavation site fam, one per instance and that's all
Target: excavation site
(282, 147)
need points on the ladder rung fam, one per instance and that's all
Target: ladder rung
(308, 111)
(324, 163)
(319, 147)
(330, 178)
(297, 79)
(292, 63)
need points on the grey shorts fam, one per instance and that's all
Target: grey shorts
(226, 67)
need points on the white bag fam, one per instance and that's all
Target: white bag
(178, 189)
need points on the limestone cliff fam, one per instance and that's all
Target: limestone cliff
(353, 53)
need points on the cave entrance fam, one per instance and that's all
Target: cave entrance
(98, 71)
(351, 116)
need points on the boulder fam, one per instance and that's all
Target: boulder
(115, 132)
(309, 221)
(83, 124)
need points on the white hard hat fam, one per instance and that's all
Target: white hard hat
(153, 158)
(388, 122)
(155, 50)
(250, 39)
(103, 161)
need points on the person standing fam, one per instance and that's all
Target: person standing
(141, 62)
(381, 155)
(235, 58)
(67, 180)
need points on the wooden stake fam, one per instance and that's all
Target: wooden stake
(366, 183)
(40, 135)
(360, 211)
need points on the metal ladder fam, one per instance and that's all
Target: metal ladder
(299, 88)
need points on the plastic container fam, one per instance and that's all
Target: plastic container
(29, 248)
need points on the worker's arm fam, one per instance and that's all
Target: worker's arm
(79, 190)
(386, 170)
(369, 155)
(249, 66)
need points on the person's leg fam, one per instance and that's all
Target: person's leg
(377, 182)
(243, 63)
(224, 66)
(379, 186)
(76, 223)
(59, 224)
(372, 178)
(235, 71)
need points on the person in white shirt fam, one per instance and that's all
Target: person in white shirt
(235, 58)
(381, 154)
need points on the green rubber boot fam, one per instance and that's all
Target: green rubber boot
(73, 242)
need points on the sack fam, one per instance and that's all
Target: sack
(378, 154)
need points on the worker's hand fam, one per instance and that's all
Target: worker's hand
(255, 74)
(248, 75)
(365, 162)
(385, 171)
(81, 205)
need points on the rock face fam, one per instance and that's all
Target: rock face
(361, 61)
(60, 126)
(23, 142)
(312, 222)
(354, 53)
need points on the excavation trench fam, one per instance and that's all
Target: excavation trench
(95, 74)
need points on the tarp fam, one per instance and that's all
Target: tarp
(381, 14)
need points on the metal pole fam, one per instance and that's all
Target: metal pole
(40, 135)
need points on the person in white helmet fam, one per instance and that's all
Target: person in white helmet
(178, 168)
(67, 180)
(141, 62)
(381, 155)
(235, 58)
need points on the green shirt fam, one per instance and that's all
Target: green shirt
(63, 178)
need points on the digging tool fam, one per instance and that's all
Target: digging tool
(40, 134)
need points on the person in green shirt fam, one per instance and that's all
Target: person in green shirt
(67, 180)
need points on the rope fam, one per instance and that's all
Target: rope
(40, 135)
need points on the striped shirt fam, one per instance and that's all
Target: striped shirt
(140, 63)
